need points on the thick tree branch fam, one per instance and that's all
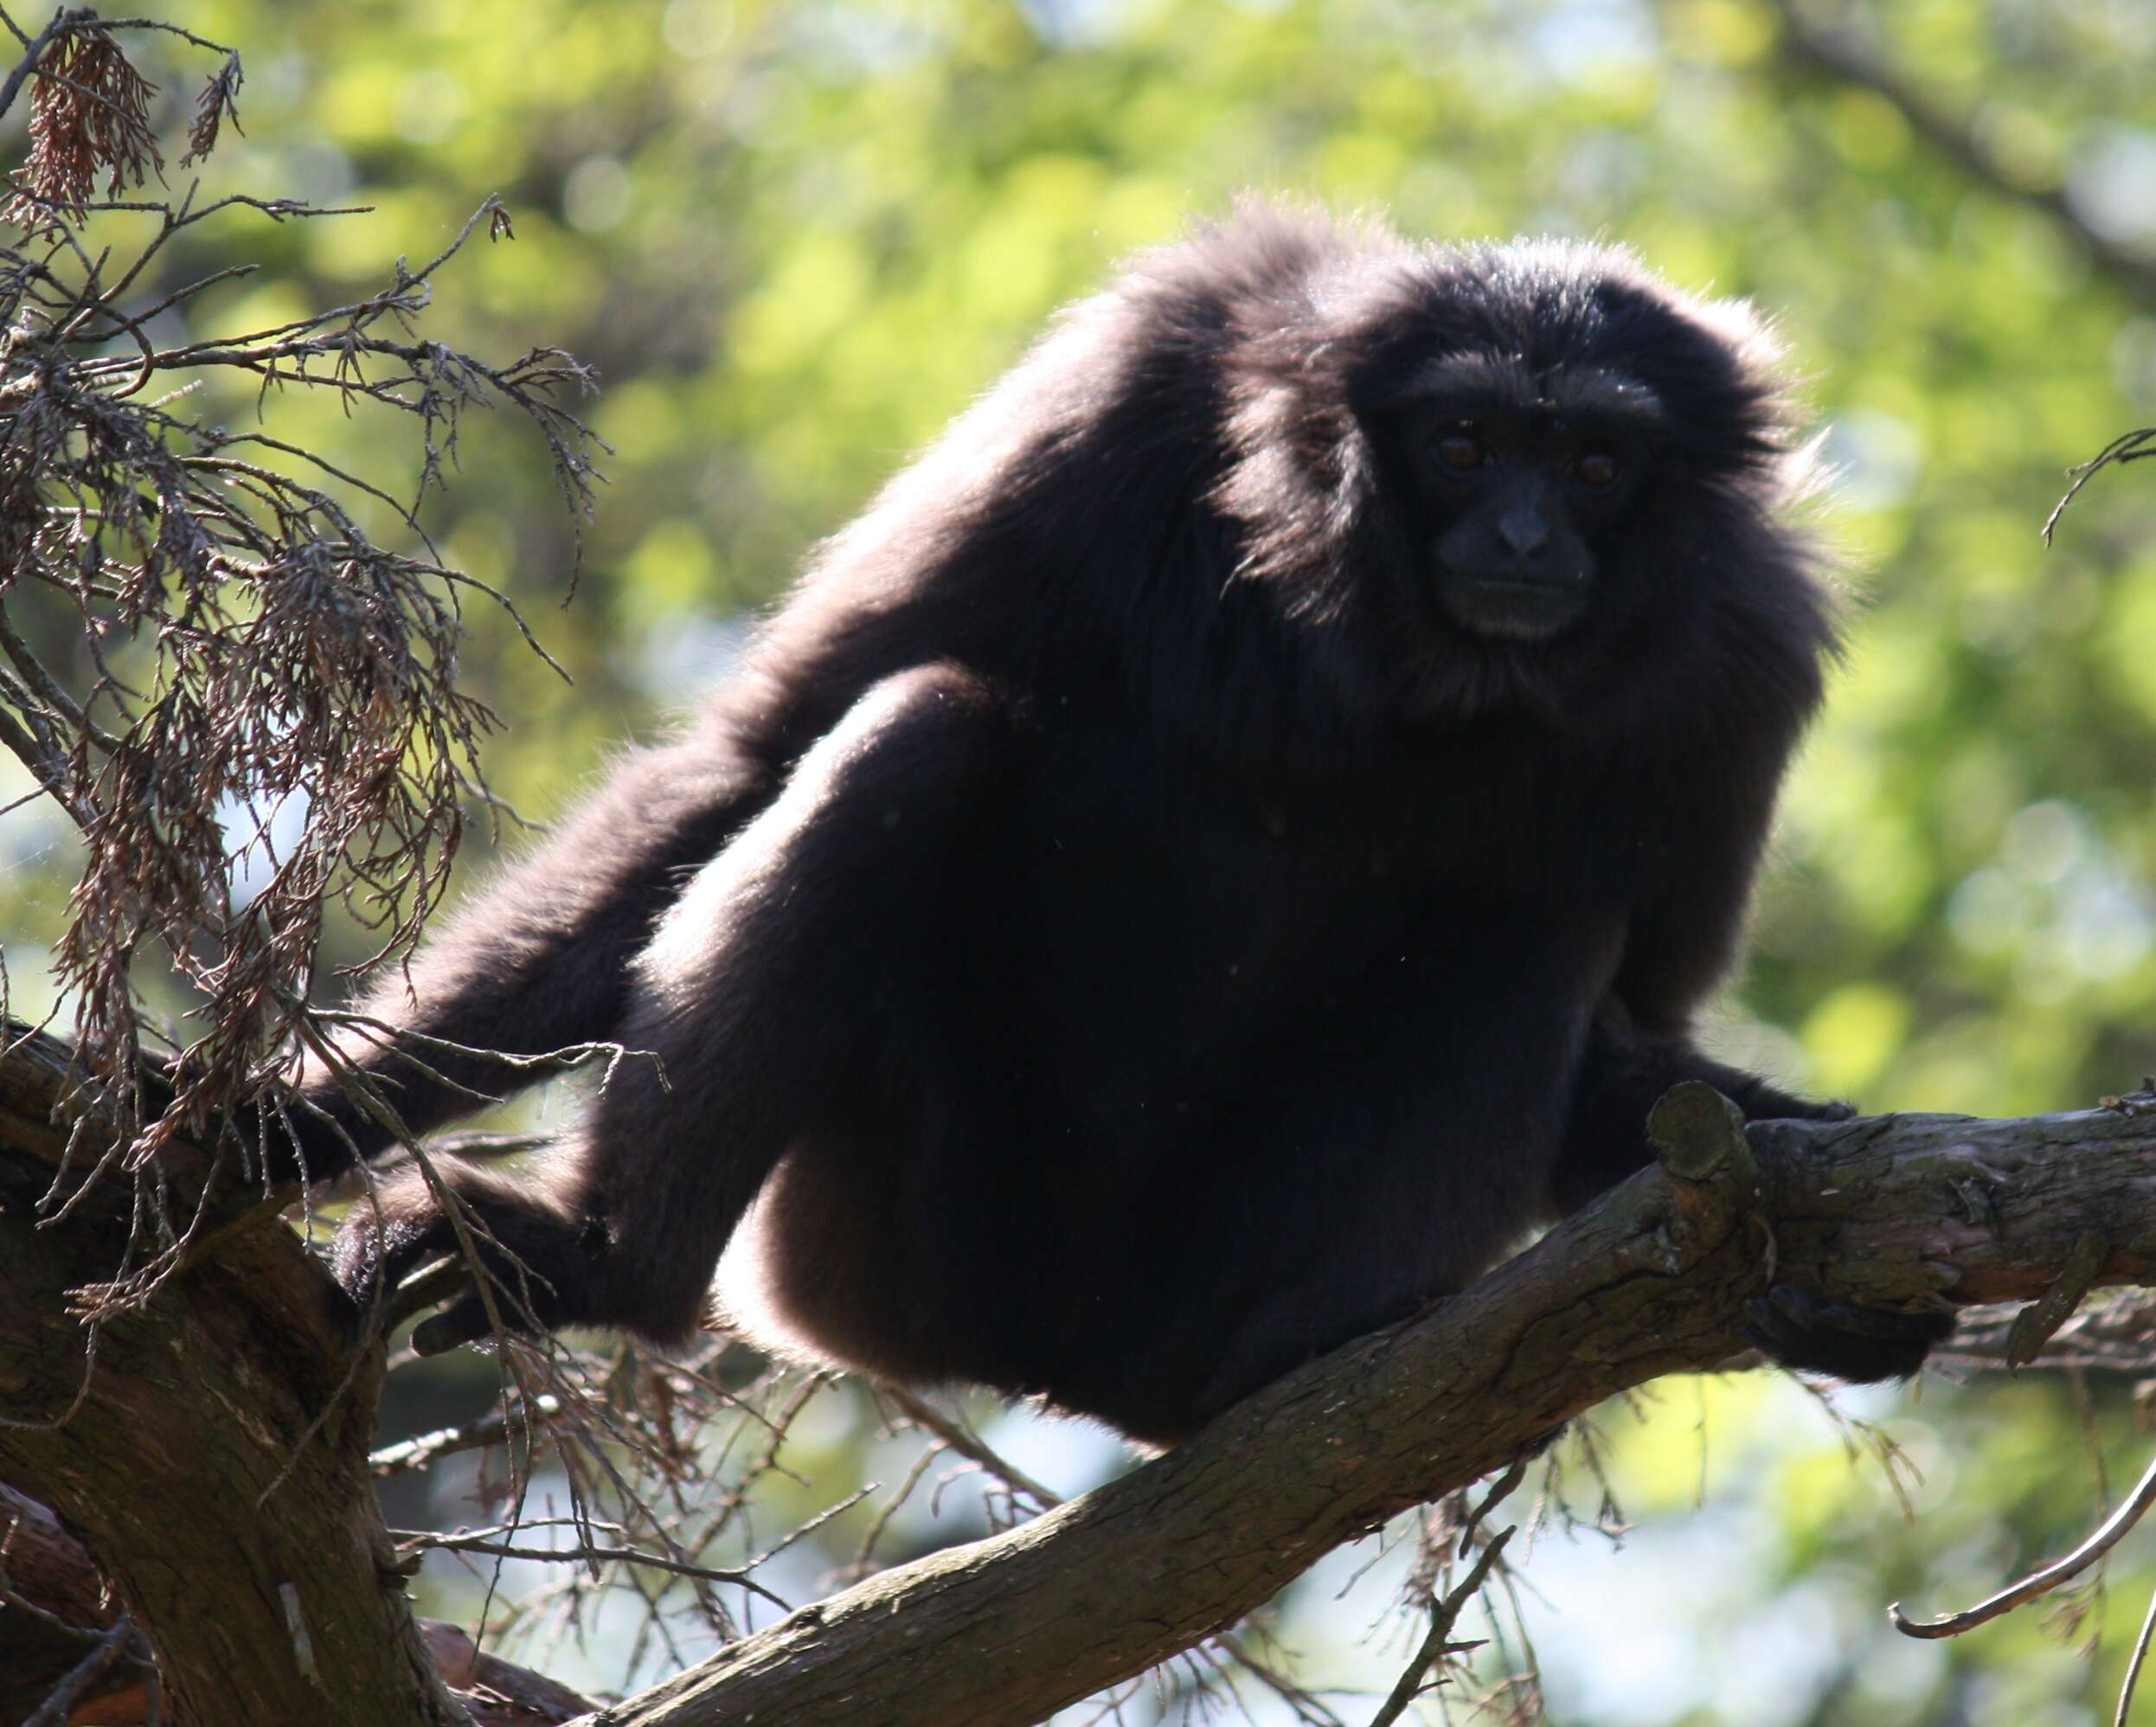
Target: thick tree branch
(208, 1446)
(54, 1605)
(1647, 1282)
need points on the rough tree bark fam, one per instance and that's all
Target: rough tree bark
(1647, 1282)
(61, 1602)
(209, 1447)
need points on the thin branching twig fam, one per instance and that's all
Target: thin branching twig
(2045, 1579)
(246, 703)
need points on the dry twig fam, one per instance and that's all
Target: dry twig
(246, 703)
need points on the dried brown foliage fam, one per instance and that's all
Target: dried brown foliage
(217, 104)
(272, 720)
(89, 114)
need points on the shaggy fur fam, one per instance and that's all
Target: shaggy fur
(1121, 935)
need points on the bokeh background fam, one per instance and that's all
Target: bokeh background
(794, 237)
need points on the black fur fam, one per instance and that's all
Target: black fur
(1197, 868)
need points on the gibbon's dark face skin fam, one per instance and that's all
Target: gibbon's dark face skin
(1515, 487)
(1232, 836)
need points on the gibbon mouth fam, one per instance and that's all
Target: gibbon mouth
(1512, 608)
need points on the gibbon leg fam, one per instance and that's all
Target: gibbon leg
(743, 1006)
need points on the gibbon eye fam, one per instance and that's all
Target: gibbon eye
(1461, 450)
(1597, 466)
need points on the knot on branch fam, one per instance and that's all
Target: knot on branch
(1698, 1138)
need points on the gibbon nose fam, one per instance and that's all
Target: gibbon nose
(1524, 530)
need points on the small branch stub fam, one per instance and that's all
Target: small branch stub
(1698, 1135)
(2035, 1324)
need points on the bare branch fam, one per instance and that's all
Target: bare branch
(1649, 1281)
(2130, 446)
(586, 1553)
(958, 1437)
(2043, 1581)
(58, 1707)
(1436, 1645)
(500, 1428)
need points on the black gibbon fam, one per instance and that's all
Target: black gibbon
(1234, 836)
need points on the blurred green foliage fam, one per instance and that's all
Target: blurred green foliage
(795, 237)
